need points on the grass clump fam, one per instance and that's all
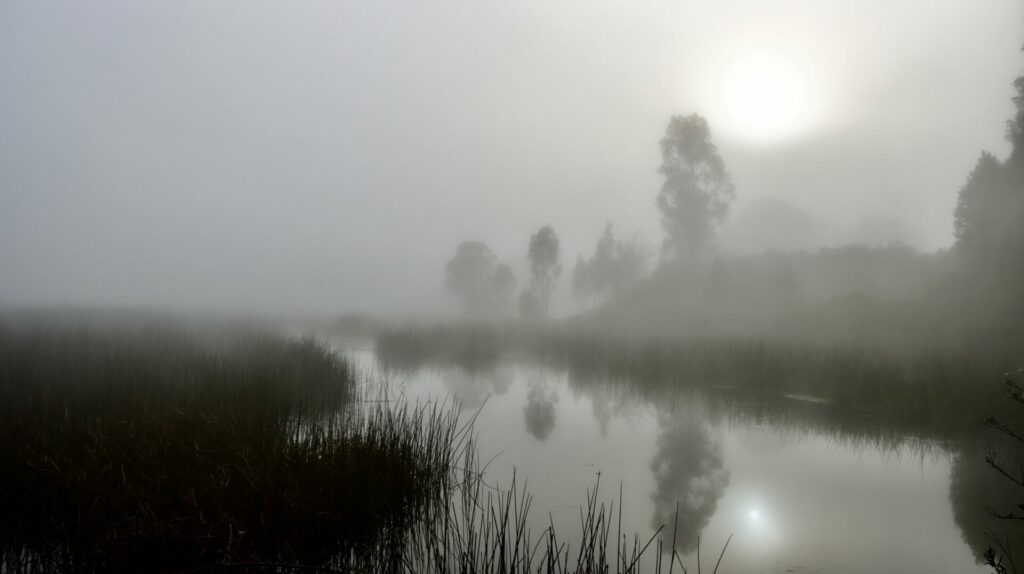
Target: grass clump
(154, 450)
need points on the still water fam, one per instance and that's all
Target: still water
(794, 500)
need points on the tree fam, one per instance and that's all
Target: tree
(1015, 126)
(615, 266)
(697, 191)
(989, 218)
(544, 266)
(471, 276)
(979, 208)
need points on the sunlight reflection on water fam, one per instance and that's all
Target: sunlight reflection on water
(792, 500)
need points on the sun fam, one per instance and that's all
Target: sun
(765, 97)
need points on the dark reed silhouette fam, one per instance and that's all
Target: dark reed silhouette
(148, 450)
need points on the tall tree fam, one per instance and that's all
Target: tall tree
(990, 205)
(979, 209)
(988, 219)
(470, 276)
(697, 191)
(545, 267)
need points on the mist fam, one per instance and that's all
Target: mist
(328, 157)
(448, 286)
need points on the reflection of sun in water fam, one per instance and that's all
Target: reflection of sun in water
(759, 527)
(764, 97)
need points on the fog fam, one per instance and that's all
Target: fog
(353, 286)
(329, 156)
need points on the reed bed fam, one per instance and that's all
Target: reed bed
(160, 450)
(479, 529)
(149, 451)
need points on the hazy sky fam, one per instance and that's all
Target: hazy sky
(328, 156)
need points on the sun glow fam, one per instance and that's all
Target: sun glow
(764, 97)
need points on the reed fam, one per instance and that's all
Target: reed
(149, 451)
(155, 450)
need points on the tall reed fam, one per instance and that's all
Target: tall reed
(154, 450)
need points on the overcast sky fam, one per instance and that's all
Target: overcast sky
(328, 156)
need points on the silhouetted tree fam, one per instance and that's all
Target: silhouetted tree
(614, 267)
(979, 218)
(483, 287)
(697, 191)
(989, 217)
(471, 276)
(544, 266)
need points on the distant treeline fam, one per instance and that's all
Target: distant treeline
(969, 294)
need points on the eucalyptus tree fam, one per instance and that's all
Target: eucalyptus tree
(545, 266)
(697, 190)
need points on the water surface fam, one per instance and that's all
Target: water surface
(794, 498)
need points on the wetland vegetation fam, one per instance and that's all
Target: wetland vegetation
(158, 448)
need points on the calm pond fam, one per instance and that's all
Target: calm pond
(794, 497)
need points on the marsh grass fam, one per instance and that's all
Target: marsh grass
(160, 450)
(480, 529)
(149, 451)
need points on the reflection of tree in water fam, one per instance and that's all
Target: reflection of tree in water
(540, 409)
(975, 486)
(472, 387)
(687, 468)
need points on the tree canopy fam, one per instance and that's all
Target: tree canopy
(473, 277)
(545, 267)
(989, 215)
(697, 191)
